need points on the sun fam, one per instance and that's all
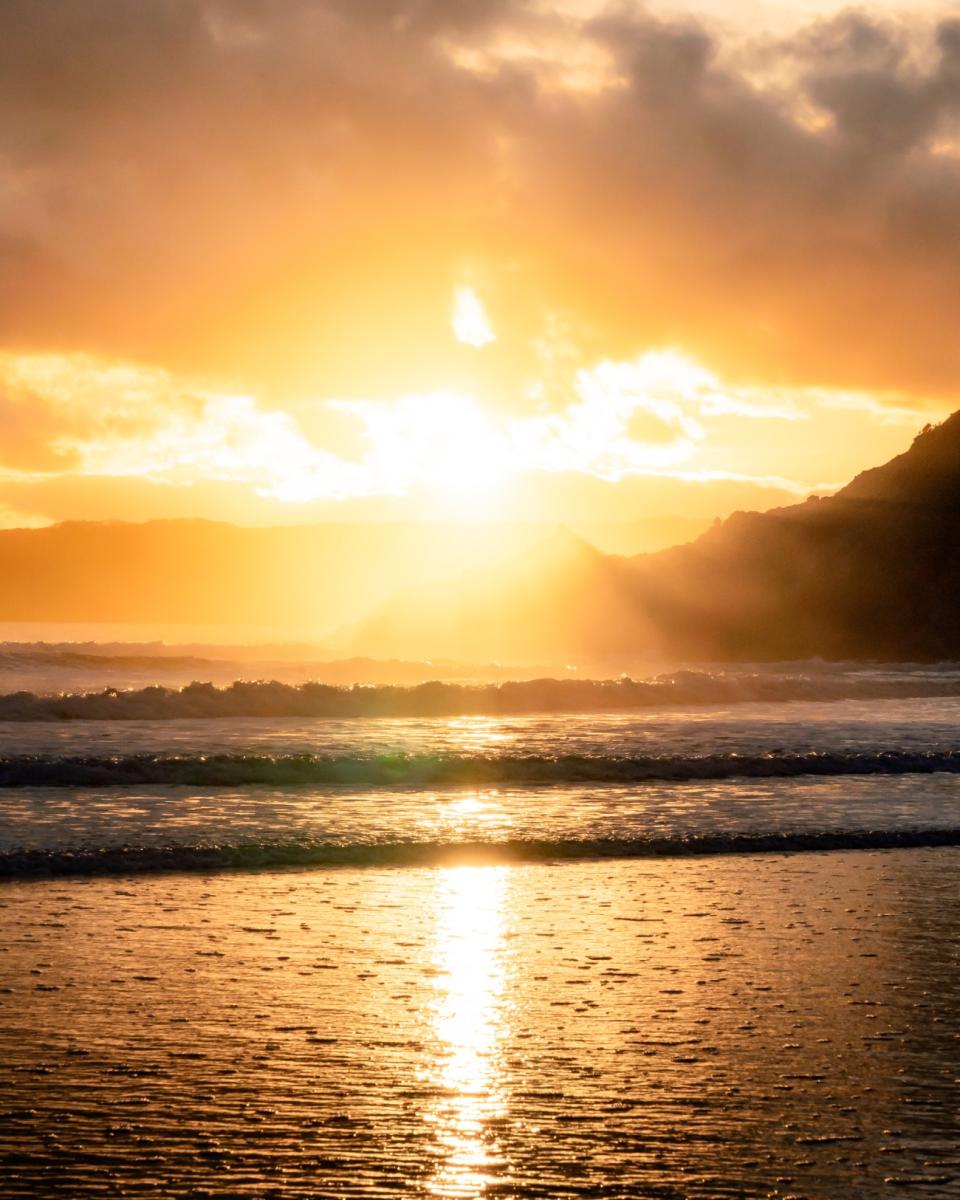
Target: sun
(456, 450)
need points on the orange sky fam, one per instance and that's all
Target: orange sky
(296, 260)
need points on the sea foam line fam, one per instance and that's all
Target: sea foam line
(423, 770)
(311, 700)
(126, 860)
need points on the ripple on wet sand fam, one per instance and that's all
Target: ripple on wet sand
(739, 1027)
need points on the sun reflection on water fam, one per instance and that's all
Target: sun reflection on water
(475, 734)
(478, 806)
(468, 1024)
(464, 816)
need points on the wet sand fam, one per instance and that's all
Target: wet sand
(749, 1026)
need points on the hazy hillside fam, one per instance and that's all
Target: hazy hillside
(296, 580)
(872, 572)
(293, 581)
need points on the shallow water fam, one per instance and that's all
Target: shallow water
(55, 819)
(70, 827)
(792, 726)
(738, 1027)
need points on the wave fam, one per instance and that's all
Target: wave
(438, 699)
(292, 664)
(126, 860)
(14, 658)
(424, 770)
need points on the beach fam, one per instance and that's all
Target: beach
(688, 953)
(744, 1025)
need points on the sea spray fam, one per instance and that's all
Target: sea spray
(261, 698)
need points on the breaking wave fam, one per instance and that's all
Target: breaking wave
(125, 860)
(424, 770)
(438, 699)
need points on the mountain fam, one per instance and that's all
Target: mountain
(643, 535)
(512, 609)
(276, 583)
(927, 474)
(872, 572)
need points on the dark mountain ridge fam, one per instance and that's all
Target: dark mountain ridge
(870, 573)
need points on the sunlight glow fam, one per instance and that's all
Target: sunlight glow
(653, 416)
(468, 1024)
(444, 440)
(469, 320)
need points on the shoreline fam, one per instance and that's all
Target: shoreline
(148, 862)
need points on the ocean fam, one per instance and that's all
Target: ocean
(693, 948)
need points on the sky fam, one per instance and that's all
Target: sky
(276, 261)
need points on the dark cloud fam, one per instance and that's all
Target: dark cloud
(807, 228)
(231, 184)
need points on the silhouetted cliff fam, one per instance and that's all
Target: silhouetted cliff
(872, 572)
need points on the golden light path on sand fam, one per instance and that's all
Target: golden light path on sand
(734, 1027)
(469, 1021)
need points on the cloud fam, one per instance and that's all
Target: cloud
(888, 409)
(788, 210)
(469, 319)
(821, 252)
(77, 417)
(628, 418)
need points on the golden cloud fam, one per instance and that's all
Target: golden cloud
(295, 211)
